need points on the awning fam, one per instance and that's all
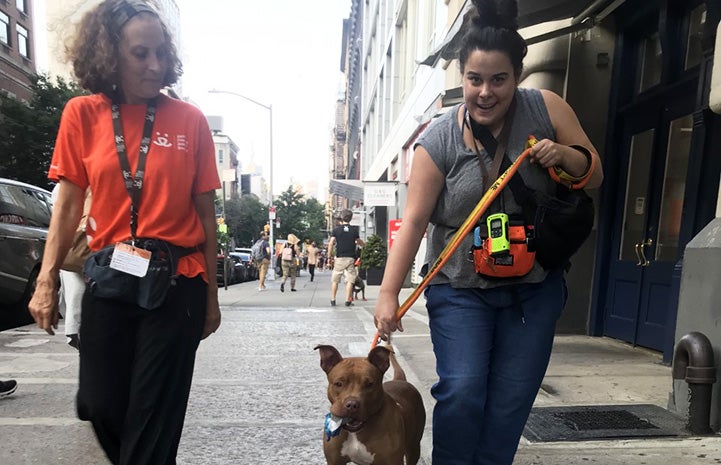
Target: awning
(351, 189)
(530, 13)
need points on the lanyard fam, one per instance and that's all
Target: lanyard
(133, 183)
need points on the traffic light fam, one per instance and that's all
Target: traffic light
(266, 227)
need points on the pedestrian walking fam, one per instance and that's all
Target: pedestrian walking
(151, 297)
(8, 387)
(72, 282)
(492, 336)
(289, 264)
(312, 253)
(345, 238)
(261, 255)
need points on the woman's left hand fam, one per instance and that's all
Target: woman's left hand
(212, 317)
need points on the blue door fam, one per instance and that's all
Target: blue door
(656, 146)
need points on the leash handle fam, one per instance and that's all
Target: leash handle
(480, 208)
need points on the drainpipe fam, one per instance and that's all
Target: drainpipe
(693, 360)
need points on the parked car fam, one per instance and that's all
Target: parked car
(251, 271)
(234, 269)
(24, 220)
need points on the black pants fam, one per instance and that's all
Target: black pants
(311, 270)
(136, 367)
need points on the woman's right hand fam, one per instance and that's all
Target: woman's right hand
(385, 315)
(44, 305)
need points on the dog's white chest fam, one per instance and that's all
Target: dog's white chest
(356, 451)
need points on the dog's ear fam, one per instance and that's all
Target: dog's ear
(379, 357)
(329, 357)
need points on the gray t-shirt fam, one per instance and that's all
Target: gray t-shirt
(464, 186)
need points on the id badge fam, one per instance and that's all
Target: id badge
(129, 259)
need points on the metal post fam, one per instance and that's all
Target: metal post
(272, 246)
(271, 274)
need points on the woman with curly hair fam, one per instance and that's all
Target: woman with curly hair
(492, 336)
(150, 162)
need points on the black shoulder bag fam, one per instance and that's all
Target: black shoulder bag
(561, 222)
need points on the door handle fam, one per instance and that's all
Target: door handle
(643, 252)
(637, 246)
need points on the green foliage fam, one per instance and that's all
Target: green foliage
(300, 215)
(374, 253)
(28, 130)
(246, 217)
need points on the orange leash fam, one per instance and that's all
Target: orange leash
(462, 232)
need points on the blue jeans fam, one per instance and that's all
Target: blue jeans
(492, 349)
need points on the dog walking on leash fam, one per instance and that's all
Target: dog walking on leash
(370, 422)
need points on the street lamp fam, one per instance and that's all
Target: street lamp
(270, 183)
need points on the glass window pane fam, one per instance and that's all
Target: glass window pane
(4, 27)
(650, 62)
(696, 23)
(636, 204)
(20, 4)
(674, 187)
(23, 45)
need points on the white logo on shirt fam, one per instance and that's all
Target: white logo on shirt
(162, 140)
(181, 142)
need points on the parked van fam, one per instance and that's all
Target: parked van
(24, 220)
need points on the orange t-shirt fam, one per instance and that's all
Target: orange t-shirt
(180, 164)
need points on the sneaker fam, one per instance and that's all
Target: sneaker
(7, 387)
(348, 303)
(293, 289)
(282, 287)
(332, 303)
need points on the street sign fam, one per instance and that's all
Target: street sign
(271, 212)
(393, 227)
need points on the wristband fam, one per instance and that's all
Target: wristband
(559, 175)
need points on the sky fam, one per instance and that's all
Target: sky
(284, 53)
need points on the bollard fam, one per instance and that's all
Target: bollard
(693, 360)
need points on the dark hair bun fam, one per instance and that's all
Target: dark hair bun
(498, 14)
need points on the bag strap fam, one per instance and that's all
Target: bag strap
(492, 145)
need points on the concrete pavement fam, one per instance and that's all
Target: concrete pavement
(258, 392)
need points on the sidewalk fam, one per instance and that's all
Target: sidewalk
(584, 371)
(39, 424)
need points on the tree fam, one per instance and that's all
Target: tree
(28, 130)
(300, 215)
(246, 217)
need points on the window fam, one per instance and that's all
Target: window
(21, 6)
(220, 156)
(697, 21)
(4, 28)
(23, 41)
(24, 206)
(651, 62)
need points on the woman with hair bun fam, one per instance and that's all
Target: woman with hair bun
(492, 336)
(138, 348)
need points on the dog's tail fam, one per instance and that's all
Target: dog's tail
(398, 373)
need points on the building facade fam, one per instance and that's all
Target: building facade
(638, 75)
(17, 48)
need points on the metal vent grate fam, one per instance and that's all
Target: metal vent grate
(603, 419)
(594, 422)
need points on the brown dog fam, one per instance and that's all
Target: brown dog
(370, 422)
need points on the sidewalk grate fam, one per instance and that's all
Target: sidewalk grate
(579, 423)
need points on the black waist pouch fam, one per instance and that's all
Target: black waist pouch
(562, 223)
(150, 291)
